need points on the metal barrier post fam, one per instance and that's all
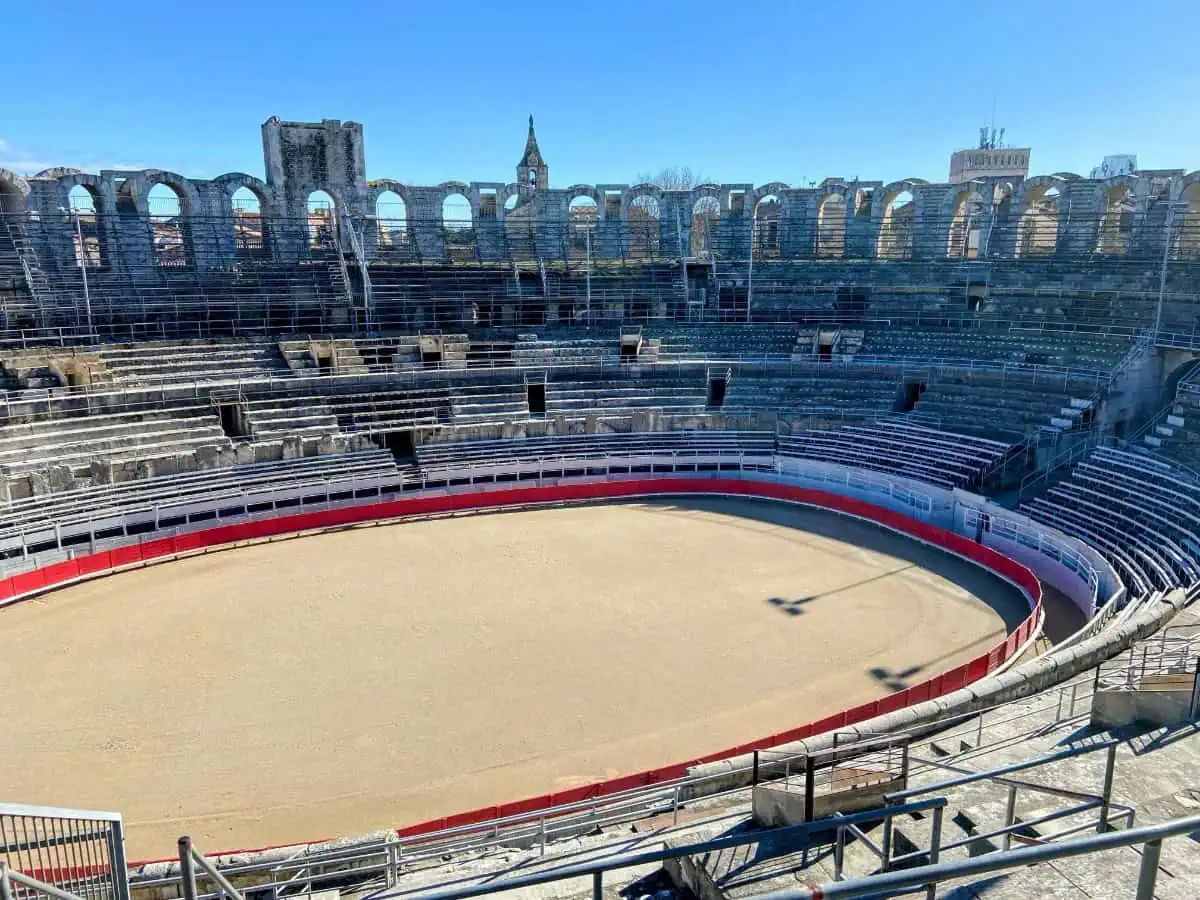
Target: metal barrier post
(1010, 816)
(935, 849)
(187, 869)
(885, 842)
(5, 884)
(1148, 874)
(754, 771)
(597, 886)
(1194, 706)
(1110, 762)
(116, 859)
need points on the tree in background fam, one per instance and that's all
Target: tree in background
(673, 178)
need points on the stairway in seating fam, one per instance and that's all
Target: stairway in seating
(26, 262)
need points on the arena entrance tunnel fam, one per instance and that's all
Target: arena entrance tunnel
(895, 689)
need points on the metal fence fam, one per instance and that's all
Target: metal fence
(79, 851)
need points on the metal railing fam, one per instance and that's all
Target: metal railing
(889, 884)
(77, 851)
(189, 858)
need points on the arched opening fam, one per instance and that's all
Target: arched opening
(767, 215)
(458, 235)
(165, 205)
(706, 214)
(1187, 223)
(1116, 224)
(322, 222)
(831, 227)
(248, 229)
(582, 216)
(85, 230)
(1037, 230)
(896, 229)
(391, 214)
(644, 226)
(962, 239)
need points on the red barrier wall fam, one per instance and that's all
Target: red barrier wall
(164, 548)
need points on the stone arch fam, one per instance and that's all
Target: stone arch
(1041, 203)
(230, 183)
(383, 185)
(246, 208)
(101, 198)
(1116, 203)
(832, 207)
(166, 211)
(14, 192)
(585, 190)
(584, 205)
(771, 187)
(706, 214)
(84, 202)
(390, 206)
(638, 191)
(643, 215)
(457, 218)
(247, 203)
(321, 211)
(898, 212)
(189, 197)
(508, 198)
(767, 215)
(963, 210)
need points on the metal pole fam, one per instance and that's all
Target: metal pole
(598, 886)
(187, 869)
(1106, 791)
(1162, 275)
(5, 884)
(83, 267)
(935, 849)
(750, 271)
(1010, 816)
(1148, 874)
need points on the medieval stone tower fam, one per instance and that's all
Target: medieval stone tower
(532, 171)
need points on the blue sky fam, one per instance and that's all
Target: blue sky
(743, 91)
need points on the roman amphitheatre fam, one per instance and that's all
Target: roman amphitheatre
(439, 540)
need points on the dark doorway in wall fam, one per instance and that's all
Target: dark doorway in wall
(535, 395)
(825, 349)
(912, 393)
(717, 385)
(325, 363)
(230, 420)
(977, 293)
(399, 444)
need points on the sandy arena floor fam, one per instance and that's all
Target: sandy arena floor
(375, 677)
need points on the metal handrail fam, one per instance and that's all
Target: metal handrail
(597, 868)
(889, 883)
(9, 875)
(189, 857)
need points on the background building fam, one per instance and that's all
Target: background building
(1117, 164)
(991, 159)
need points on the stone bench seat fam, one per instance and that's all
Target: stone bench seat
(105, 428)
